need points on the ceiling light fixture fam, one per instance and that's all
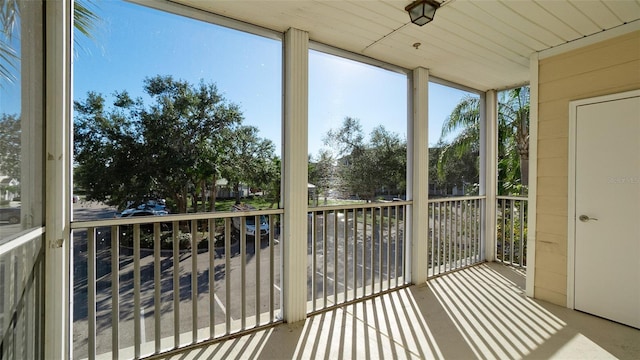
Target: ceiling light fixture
(422, 11)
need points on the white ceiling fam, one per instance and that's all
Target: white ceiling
(482, 44)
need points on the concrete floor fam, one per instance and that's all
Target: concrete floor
(479, 312)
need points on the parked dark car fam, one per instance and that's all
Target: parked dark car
(10, 214)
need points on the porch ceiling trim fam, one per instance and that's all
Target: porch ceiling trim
(478, 44)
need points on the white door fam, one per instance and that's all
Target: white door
(607, 210)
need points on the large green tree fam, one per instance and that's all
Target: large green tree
(367, 169)
(322, 173)
(249, 159)
(174, 148)
(10, 131)
(459, 172)
(513, 137)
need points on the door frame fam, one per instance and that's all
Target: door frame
(571, 193)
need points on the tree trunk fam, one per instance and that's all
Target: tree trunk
(524, 169)
(183, 207)
(203, 191)
(236, 188)
(214, 195)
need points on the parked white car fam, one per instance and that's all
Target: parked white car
(149, 208)
(250, 223)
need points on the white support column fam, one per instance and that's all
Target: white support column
(32, 113)
(489, 170)
(294, 181)
(418, 178)
(533, 176)
(57, 167)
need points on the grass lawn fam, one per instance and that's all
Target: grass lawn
(257, 202)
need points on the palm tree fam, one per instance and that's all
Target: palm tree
(84, 21)
(513, 136)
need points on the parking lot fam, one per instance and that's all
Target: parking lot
(217, 286)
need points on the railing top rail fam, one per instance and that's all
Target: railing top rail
(457, 198)
(20, 239)
(171, 218)
(507, 197)
(360, 206)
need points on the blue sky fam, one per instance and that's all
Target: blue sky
(133, 42)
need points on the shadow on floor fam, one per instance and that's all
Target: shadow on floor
(478, 312)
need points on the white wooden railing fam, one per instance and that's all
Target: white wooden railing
(511, 240)
(21, 296)
(454, 233)
(356, 251)
(150, 285)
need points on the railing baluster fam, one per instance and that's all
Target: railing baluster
(447, 265)
(227, 271)
(257, 240)
(335, 257)
(243, 272)
(504, 225)
(372, 244)
(355, 253)
(458, 232)
(314, 259)
(478, 237)
(513, 232)
(437, 234)
(523, 209)
(212, 277)
(324, 259)
(404, 246)
(444, 236)
(469, 229)
(472, 251)
(364, 249)
(176, 284)
(157, 284)
(463, 234)
(456, 240)
(380, 240)
(373, 248)
(453, 230)
(115, 292)
(345, 237)
(272, 229)
(91, 295)
(194, 282)
(389, 247)
(397, 227)
(136, 290)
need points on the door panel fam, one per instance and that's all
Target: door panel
(607, 238)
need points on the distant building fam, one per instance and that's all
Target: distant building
(8, 188)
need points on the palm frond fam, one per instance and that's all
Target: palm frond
(465, 114)
(84, 19)
(9, 13)
(8, 60)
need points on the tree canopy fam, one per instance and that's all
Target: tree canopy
(10, 132)
(513, 138)
(175, 147)
(367, 169)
